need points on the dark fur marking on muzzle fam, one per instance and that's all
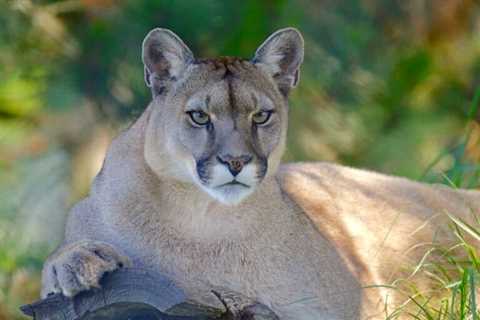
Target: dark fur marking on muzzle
(202, 169)
(262, 168)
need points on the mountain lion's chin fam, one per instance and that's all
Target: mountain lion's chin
(229, 194)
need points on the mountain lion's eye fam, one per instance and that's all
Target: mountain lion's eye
(261, 117)
(199, 117)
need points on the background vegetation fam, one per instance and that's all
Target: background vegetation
(387, 85)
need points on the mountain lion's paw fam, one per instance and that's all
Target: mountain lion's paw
(240, 307)
(79, 266)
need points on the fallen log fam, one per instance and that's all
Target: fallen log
(135, 294)
(124, 294)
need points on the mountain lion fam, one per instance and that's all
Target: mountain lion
(194, 190)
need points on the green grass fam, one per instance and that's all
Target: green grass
(453, 274)
(462, 173)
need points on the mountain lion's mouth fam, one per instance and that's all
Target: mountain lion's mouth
(233, 183)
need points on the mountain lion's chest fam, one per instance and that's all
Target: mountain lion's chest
(280, 267)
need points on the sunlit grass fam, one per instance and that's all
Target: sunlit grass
(452, 274)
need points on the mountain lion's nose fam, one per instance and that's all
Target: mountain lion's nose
(234, 164)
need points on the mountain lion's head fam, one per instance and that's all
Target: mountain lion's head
(220, 123)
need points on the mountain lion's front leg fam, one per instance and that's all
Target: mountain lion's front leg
(79, 266)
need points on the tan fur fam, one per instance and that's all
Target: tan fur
(375, 221)
(307, 239)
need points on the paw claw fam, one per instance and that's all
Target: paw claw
(79, 267)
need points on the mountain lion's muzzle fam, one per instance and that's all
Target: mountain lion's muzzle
(230, 178)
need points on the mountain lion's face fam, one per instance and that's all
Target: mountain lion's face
(220, 123)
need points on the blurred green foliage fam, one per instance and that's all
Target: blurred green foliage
(386, 85)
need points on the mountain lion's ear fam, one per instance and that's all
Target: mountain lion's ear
(165, 57)
(281, 56)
